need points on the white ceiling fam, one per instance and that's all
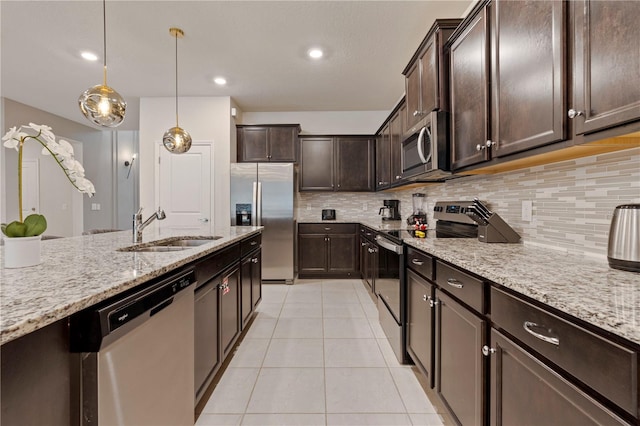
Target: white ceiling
(259, 46)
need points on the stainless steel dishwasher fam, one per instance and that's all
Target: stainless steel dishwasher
(135, 356)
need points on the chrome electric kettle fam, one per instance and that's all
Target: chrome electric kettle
(624, 238)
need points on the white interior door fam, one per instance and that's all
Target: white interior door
(30, 187)
(185, 189)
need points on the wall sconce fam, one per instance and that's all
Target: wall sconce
(129, 164)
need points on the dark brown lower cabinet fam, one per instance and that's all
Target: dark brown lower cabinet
(229, 309)
(525, 391)
(327, 250)
(206, 334)
(251, 291)
(420, 300)
(460, 365)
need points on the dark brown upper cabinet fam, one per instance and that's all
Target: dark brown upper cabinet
(337, 163)
(508, 80)
(606, 64)
(267, 143)
(426, 74)
(389, 149)
(383, 158)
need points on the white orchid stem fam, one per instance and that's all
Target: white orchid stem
(55, 157)
(20, 178)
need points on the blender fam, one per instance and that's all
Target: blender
(419, 215)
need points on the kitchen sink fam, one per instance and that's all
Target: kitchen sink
(170, 244)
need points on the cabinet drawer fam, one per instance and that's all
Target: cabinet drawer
(216, 263)
(420, 262)
(250, 244)
(604, 366)
(461, 285)
(368, 233)
(329, 228)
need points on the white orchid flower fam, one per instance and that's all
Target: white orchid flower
(45, 131)
(12, 138)
(84, 185)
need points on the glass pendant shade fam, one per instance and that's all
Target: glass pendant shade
(102, 106)
(177, 140)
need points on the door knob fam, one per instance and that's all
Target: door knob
(204, 220)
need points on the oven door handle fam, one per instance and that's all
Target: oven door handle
(384, 243)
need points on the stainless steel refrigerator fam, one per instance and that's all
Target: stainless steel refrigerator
(262, 194)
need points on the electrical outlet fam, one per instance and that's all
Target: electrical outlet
(364, 207)
(527, 210)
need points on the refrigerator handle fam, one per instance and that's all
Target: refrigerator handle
(254, 205)
(259, 204)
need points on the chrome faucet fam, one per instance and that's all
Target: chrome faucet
(139, 225)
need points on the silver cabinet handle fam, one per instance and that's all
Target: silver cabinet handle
(480, 147)
(486, 350)
(490, 143)
(528, 325)
(572, 113)
(417, 262)
(327, 229)
(398, 176)
(424, 297)
(363, 244)
(253, 243)
(433, 303)
(254, 260)
(454, 283)
(417, 113)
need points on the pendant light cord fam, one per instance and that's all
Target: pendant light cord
(177, 79)
(104, 38)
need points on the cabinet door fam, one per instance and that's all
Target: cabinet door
(316, 164)
(395, 132)
(383, 159)
(420, 328)
(429, 78)
(229, 310)
(528, 75)
(207, 355)
(354, 164)
(460, 376)
(412, 89)
(312, 253)
(256, 278)
(246, 276)
(252, 144)
(342, 255)
(546, 399)
(282, 144)
(606, 61)
(469, 99)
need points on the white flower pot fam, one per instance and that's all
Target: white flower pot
(21, 252)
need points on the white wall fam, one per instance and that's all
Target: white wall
(323, 122)
(206, 119)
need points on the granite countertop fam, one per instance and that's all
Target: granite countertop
(584, 287)
(78, 272)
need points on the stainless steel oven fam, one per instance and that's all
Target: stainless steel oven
(390, 291)
(425, 149)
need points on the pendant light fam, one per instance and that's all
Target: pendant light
(101, 104)
(176, 139)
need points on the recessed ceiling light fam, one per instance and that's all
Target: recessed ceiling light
(89, 56)
(220, 81)
(315, 53)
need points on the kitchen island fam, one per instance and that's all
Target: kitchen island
(76, 273)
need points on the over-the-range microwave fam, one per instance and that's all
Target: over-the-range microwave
(425, 149)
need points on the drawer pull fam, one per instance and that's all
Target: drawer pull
(486, 350)
(432, 302)
(254, 260)
(424, 297)
(528, 325)
(417, 262)
(363, 244)
(253, 243)
(327, 229)
(454, 283)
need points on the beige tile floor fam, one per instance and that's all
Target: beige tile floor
(316, 355)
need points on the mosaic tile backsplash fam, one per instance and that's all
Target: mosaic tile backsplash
(573, 201)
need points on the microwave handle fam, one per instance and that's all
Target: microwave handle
(420, 145)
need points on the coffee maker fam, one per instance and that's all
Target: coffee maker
(391, 210)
